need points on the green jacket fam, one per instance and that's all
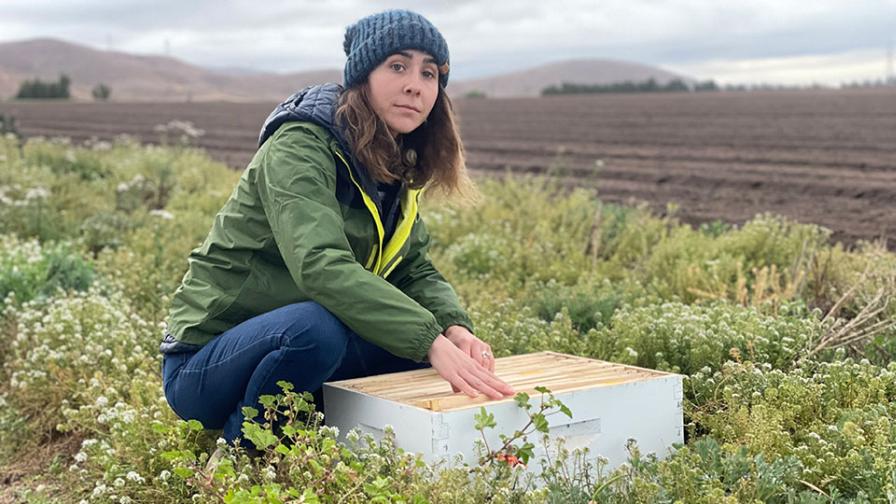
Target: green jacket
(300, 225)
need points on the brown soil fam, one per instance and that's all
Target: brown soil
(825, 157)
(31, 469)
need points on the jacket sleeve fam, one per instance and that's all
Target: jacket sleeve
(417, 277)
(296, 183)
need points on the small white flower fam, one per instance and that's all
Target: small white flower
(162, 214)
(133, 476)
(36, 193)
(80, 457)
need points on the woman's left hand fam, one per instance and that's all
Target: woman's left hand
(479, 350)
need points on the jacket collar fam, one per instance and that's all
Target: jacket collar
(317, 104)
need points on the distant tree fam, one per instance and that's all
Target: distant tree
(709, 85)
(649, 86)
(676, 85)
(101, 92)
(474, 93)
(8, 125)
(64, 83)
(39, 89)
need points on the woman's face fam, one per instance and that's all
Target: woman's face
(403, 89)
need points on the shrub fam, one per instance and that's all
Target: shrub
(685, 338)
(101, 92)
(29, 270)
(834, 417)
(60, 345)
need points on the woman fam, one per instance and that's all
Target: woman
(316, 268)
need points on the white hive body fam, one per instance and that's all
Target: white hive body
(610, 404)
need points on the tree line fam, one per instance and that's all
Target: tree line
(58, 90)
(648, 86)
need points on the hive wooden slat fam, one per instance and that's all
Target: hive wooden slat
(558, 372)
(557, 380)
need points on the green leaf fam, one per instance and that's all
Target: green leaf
(250, 412)
(194, 425)
(267, 400)
(565, 410)
(522, 400)
(525, 452)
(171, 455)
(540, 422)
(285, 385)
(543, 390)
(484, 420)
(260, 437)
(184, 472)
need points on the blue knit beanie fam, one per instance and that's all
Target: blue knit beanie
(374, 38)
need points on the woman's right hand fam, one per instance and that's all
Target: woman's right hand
(464, 373)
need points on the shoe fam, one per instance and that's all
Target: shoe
(213, 461)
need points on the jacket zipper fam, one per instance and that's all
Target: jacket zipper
(402, 233)
(371, 207)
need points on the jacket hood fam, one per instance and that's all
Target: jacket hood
(317, 104)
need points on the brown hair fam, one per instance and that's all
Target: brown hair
(432, 155)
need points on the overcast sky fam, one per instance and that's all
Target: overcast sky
(750, 41)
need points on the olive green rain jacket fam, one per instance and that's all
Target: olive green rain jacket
(305, 223)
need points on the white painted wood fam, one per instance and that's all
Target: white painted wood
(605, 416)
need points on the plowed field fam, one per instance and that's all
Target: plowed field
(826, 157)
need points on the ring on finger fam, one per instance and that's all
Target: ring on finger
(486, 354)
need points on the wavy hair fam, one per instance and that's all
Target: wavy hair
(431, 156)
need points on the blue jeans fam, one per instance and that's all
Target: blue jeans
(301, 343)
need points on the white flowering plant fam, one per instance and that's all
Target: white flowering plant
(768, 320)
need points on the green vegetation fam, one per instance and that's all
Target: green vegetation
(39, 89)
(101, 92)
(786, 341)
(648, 86)
(8, 125)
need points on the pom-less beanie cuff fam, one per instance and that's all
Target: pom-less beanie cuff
(372, 39)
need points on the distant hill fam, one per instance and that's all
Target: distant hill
(141, 78)
(160, 78)
(531, 81)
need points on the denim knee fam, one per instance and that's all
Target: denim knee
(314, 329)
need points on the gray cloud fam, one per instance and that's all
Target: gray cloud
(485, 37)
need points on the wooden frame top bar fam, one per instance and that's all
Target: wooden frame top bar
(559, 372)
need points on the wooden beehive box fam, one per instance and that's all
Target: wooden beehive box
(610, 404)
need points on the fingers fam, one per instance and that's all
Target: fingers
(488, 359)
(468, 373)
(481, 383)
(482, 354)
(458, 384)
(485, 382)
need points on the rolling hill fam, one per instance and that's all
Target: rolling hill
(161, 78)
